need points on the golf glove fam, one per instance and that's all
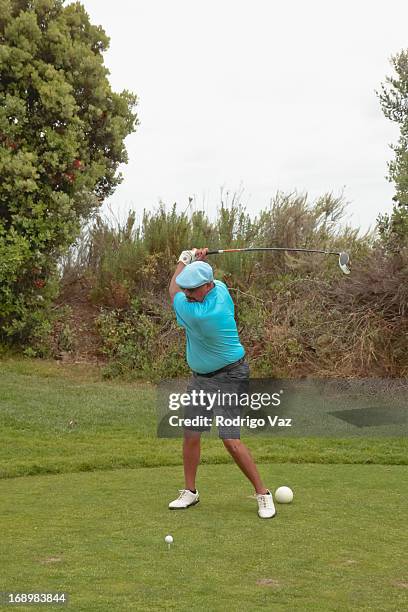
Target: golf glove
(187, 257)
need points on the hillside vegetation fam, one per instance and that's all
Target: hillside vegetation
(297, 315)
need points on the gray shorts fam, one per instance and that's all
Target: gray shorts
(225, 389)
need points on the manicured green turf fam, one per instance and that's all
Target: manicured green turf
(100, 537)
(56, 419)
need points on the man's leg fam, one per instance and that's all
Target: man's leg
(243, 459)
(191, 457)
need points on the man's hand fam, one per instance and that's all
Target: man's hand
(201, 254)
(187, 257)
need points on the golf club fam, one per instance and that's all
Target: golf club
(344, 258)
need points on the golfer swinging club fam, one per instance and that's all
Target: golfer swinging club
(204, 308)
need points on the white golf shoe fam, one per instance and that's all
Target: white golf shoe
(266, 507)
(184, 500)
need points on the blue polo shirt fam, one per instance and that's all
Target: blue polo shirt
(212, 339)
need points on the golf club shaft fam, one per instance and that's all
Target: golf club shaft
(254, 249)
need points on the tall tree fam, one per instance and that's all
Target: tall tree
(394, 102)
(393, 228)
(62, 132)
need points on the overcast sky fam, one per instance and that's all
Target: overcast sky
(257, 94)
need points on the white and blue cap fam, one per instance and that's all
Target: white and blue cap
(194, 275)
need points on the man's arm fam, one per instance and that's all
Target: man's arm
(173, 287)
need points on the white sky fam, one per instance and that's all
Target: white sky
(255, 93)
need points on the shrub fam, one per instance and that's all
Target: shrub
(296, 315)
(141, 342)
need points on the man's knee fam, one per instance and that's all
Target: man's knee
(232, 445)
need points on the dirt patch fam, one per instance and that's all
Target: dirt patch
(343, 562)
(48, 560)
(269, 582)
(401, 584)
(83, 343)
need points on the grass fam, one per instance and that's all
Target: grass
(89, 526)
(100, 537)
(57, 419)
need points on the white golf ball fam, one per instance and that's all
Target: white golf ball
(283, 495)
(168, 539)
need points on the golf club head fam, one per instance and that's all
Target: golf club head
(344, 261)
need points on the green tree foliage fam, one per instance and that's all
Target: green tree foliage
(394, 102)
(62, 132)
